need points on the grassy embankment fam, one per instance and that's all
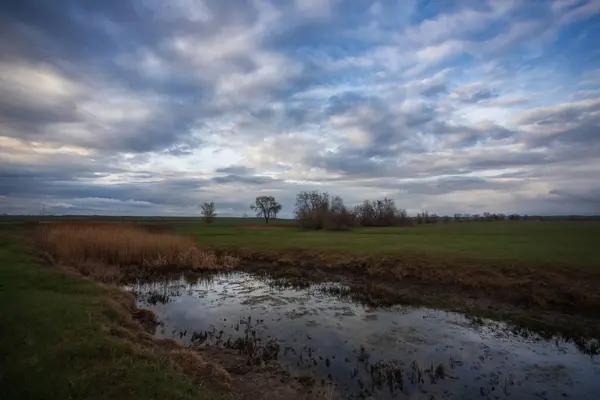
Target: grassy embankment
(65, 337)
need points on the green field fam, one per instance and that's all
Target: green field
(55, 341)
(551, 241)
(572, 242)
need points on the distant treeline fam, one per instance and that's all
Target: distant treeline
(319, 210)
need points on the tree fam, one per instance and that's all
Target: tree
(208, 211)
(311, 209)
(266, 207)
(276, 210)
(338, 217)
(380, 213)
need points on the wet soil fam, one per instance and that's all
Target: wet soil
(510, 304)
(331, 340)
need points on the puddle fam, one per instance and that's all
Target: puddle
(387, 353)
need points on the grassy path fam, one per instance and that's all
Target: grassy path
(55, 340)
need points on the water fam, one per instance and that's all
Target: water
(394, 352)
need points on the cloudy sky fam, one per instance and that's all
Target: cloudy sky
(150, 107)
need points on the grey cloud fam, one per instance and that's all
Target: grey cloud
(571, 124)
(452, 184)
(464, 135)
(77, 180)
(590, 196)
(481, 95)
(94, 44)
(235, 170)
(351, 163)
(558, 113)
(389, 129)
(162, 79)
(474, 93)
(509, 101)
(252, 180)
(434, 90)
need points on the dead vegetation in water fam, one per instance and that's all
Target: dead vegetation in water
(554, 288)
(103, 250)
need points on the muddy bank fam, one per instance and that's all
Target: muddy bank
(480, 301)
(533, 293)
(216, 369)
(326, 342)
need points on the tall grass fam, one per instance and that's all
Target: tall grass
(121, 244)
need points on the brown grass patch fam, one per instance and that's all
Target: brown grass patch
(100, 249)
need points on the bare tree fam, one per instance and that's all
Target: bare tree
(381, 213)
(266, 207)
(402, 215)
(311, 209)
(208, 211)
(276, 210)
(338, 216)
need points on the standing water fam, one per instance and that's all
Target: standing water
(387, 353)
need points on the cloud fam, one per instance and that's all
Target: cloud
(235, 170)
(153, 107)
(475, 92)
(568, 123)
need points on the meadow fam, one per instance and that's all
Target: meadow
(554, 242)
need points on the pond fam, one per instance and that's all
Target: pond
(384, 352)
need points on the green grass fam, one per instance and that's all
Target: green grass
(573, 242)
(54, 343)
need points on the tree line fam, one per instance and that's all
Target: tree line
(320, 210)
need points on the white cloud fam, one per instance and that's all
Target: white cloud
(39, 85)
(451, 111)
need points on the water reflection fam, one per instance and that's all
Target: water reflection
(391, 352)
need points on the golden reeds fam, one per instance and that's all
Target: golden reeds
(120, 244)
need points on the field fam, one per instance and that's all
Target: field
(75, 337)
(558, 242)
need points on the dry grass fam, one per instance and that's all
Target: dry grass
(95, 249)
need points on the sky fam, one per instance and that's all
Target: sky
(152, 107)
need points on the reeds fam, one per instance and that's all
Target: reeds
(120, 244)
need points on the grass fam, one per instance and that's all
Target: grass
(92, 247)
(57, 339)
(560, 242)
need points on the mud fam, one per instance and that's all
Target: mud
(495, 299)
(337, 341)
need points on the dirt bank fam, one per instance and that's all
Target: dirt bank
(227, 370)
(543, 297)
